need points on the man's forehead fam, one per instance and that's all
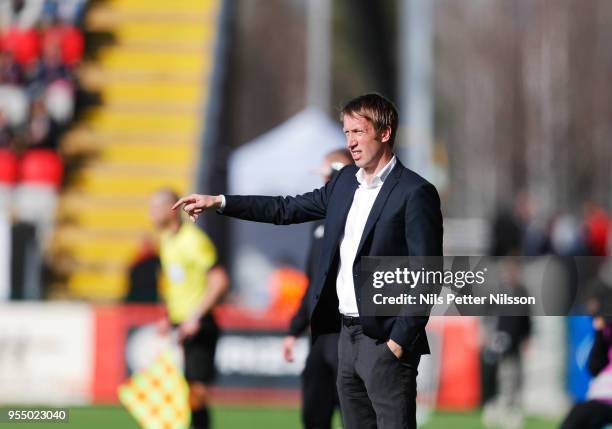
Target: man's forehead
(355, 119)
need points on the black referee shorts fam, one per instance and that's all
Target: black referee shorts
(199, 352)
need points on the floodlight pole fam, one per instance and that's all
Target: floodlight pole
(318, 59)
(415, 81)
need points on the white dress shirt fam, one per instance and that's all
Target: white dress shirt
(364, 198)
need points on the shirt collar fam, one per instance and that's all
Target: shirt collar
(379, 178)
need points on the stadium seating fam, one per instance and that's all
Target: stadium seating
(41, 166)
(24, 44)
(144, 135)
(35, 194)
(8, 177)
(8, 167)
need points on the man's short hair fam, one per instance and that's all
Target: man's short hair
(377, 109)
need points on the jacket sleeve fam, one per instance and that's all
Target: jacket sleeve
(423, 231)
(280, 210)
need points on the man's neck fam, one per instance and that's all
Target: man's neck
(371, 172)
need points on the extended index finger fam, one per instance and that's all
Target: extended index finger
(182, 201)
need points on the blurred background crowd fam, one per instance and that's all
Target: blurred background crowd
(41, 45)
(102, 102)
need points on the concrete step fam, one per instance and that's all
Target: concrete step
(124, 59)
(100, 119)
(162, 5)
(93, 75)
(107, 185)
(97, 248)
(105, 16)
(162, 31)
(85, 133)
(130, 150)
(116, 218)
(146, 155)
(98, 285)
(152, 96)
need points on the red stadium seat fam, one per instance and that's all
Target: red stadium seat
(8, 167)
(23, 43)
(41, 166)
(71, 42)
(72, 46)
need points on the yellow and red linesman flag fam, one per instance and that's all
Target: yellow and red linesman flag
(158, 397)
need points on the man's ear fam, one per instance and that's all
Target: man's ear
(385, 134)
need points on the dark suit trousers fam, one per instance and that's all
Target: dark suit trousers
(320, 396)
(376, 389)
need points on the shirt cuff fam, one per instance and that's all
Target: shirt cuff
(222, 206)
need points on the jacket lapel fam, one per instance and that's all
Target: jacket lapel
(334, 234)
(379, 204)
(346, 205)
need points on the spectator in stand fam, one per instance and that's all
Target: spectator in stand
(6, 138)
(597, 229)
(51, 66)
(14, 104)
(10, 72)
(67, 11)
(68, 38)
(55, 75)
(21, 14)
(42, 130)
(506, 233)
(516, 230)
(567, 237)
(39, 48)
(13, 98)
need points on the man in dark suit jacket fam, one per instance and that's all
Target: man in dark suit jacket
(375, 208)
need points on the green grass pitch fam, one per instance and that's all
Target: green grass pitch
(234, 417)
